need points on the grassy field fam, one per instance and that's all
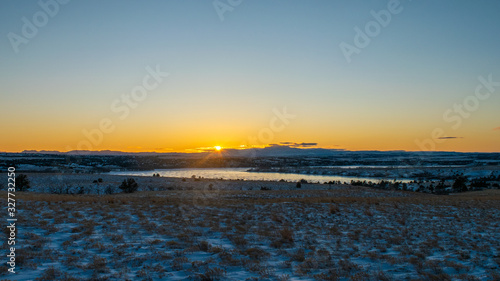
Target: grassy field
(232, 230)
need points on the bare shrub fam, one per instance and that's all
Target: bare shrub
(212, 274)
(129, 185)
(256, 253)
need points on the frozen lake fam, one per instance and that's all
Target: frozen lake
(242, 174)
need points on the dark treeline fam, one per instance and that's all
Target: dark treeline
(103, 163)
(460, 183)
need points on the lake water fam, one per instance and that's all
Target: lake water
(241, 174)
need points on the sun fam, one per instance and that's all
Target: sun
(218, 148)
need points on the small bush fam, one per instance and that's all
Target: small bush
(129, 185)
(212, 274)
(334, 209)
(286, 235)
(50, 274)
(299, 256)
(204, 246)
(256, 253)
(22, 183)
(98, 264)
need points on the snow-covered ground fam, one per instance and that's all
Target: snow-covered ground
(320, 232)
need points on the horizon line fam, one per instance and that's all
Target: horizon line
(43, 151)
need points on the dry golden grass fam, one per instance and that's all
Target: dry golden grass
(317, 234)
(487, 199)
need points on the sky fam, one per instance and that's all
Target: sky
(183, 76)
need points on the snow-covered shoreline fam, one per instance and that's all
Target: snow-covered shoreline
(388, 172)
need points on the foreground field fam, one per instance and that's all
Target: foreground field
(211, 230)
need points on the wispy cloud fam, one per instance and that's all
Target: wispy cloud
(307, 144)
(496, 129)
(449, 138)
(297, 145)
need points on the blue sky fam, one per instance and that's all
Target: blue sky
(227, 76)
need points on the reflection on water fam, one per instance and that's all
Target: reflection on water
(242, 174)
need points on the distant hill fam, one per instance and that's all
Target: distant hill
(282, 151)
(271, 151)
